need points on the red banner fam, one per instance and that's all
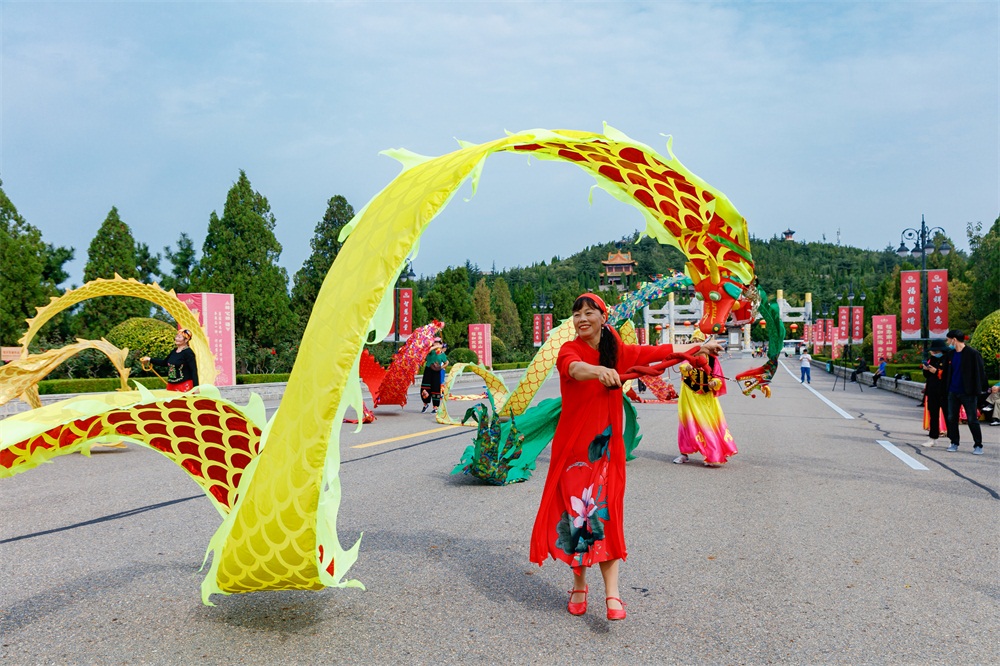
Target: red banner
(909, 298)
(858, 323)
(215, 314)
(835, 347)
(536, 330)
(403, 312)
(807, 332)
(937, 302)
(641, 335)
(546, 325)
(843, 314)
(883, 337)
(481, 343)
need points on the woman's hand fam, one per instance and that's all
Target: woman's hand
(609, 377)
(711, 347)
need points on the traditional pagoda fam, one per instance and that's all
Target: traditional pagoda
(619, 268)
(789, 234)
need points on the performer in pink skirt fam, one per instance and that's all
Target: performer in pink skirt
(701, 425)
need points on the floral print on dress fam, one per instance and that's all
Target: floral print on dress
(579, 529)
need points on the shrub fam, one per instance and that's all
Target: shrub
(986, 339)
(462, 355)
(143, 337)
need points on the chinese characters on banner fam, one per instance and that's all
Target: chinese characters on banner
(215, 314)
(8, 354)
(546, 325)
(937, 302)
(843, 313)
(641, 335)
(909, 296)
(403, 313)
(834, 344)
(858, 323)
(481, 342)
(883, 336)
(807, 331)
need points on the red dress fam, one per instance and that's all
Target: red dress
(579, 520)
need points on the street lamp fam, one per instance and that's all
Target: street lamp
(850, 314)
(406, 275)
(922, 244)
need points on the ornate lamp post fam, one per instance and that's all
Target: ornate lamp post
(922, 244)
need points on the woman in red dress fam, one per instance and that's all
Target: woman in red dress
(579, 520)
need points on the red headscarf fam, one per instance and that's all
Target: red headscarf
(597, 300)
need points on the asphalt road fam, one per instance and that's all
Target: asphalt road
(814, 545)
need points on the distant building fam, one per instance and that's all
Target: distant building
(788, 234)
(619, 268)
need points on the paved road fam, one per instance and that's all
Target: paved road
(815, 545)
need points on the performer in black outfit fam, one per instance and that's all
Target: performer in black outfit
(182, 368)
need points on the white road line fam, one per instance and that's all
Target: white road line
(888, 446)
(818, 394)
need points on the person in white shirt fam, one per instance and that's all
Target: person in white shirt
(805, 365)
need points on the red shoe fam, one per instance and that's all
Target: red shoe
(580, 608)
(615, 613)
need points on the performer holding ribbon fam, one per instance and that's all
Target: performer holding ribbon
(580, 518)
(182, 368)
(701, 426)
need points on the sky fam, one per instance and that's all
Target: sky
(839, 120)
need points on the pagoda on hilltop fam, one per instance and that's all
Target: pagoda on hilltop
(619, 268)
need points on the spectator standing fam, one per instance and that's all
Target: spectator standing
(805, 368)
(965, 377)
(935, 390)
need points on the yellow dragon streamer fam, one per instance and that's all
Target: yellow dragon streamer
(281, 531)
(21, 374)
(119, 286)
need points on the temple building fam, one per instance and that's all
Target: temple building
(619, 268)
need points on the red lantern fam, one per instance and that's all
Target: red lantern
(659, 328)
(763, 323)
(794, 327)
(687, 323)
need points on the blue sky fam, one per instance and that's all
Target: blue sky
(823, 117)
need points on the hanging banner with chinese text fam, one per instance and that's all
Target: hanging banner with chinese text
(481, 343)
(937, 303)
(883, 337)
(909, 297)
(536, 330)
(843, 316)
(403, 314)
(858, 323)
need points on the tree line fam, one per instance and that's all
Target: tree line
(240, 255)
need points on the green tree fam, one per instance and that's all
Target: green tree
(481, 304)
(147, 264)
(449, 301)
(183, 262)
(23, 258)
(55, 259)
(240, 257)
(325, 246)
(113, 250)
(508, 320)
(984, 269)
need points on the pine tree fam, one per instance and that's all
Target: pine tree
(22, 265)
(449, 301)
(113, 250)
(183, 261)
(481, 303)
(508, 320)
(240, 257)
(325, 246)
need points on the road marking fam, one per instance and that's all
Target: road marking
(891, 448)
(818, 394)
(396, 439)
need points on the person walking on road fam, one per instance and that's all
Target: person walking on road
(965, 377)
(580, 520)
(430, 383)
(805, 368)
(935, 390)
